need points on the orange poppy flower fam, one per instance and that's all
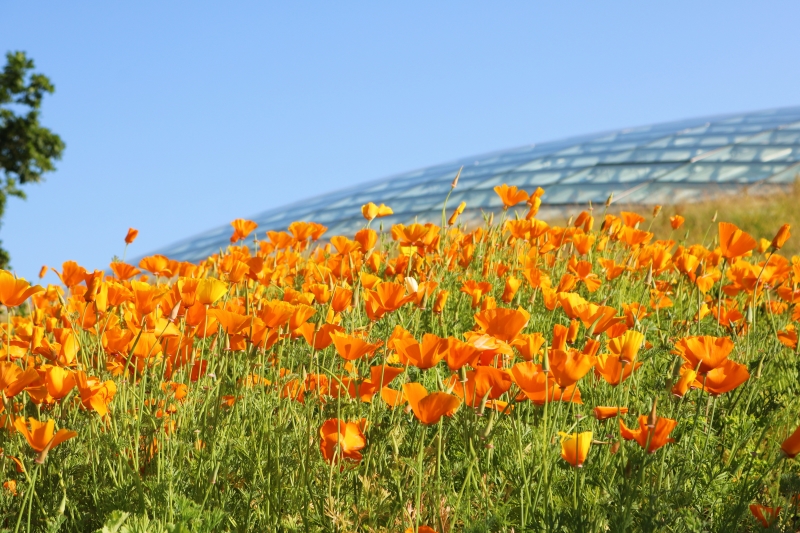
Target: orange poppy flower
(352, 348)
(676, 221)
(460, 353)
(319, 339)
(124, 271)
(570, 365)
(422, 355)
(488, 347)
(13, 379)
(71, 273)
(300, 316)
(372, 211)
(766, 515)
(386, 297)
(11, 487)
(734, 242)
(575, 447)
(511, 288)
(146, 297)
(440, 302)
(519, 229)
(612, 369)
(421, 529)
(791, 446)
(583, 271)
(95, 395)
(321, 292)
(131, 235)
(483, 383)
(59, 381)
(415, 234)
(626, 346)
(583, 243)
(158, 265)
(276, 313)
(242, 228)
(660, 433)
(342, 299)
(510, 196)
(14, 291)
(704, 353)
(367, 238)
(781, 237)
(458, 210)
(528, 345)
(572, 331)
(582, 217)
(535, 202)
(380, 377)
(604, 413)
(501, 323)
(631, 220)
(539, 386)
(429, 408)
(341, 440)
(40, 435)
(686, 379)
(392, 398)
(476, 289)
(726, 377)
(232, 323)
(210, 290)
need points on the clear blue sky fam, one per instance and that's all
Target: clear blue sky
(181, 116)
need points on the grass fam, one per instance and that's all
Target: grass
(760, 215)
(242, 450)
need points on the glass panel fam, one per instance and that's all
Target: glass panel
(662, 163)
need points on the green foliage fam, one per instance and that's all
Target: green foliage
(202, 463)
(27, 149)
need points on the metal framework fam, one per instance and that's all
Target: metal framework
(674, 162)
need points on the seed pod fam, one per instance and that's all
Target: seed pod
(652, 418)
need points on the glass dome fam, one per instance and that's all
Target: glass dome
(673, 162)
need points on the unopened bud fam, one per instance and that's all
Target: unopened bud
(610, 199)
(714, 219)
(656, 211)
(411, 285)
(781, 237)
(455, 181)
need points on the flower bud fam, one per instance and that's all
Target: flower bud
(781, 237)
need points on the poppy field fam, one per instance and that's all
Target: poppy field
(507, 376)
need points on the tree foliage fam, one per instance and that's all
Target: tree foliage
(27, 149)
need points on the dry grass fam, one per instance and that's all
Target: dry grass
(760, 215)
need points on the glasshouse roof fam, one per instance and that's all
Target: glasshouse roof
(673, 162)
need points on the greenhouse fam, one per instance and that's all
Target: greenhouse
(672, 162)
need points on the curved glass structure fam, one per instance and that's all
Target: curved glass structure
(665, 163)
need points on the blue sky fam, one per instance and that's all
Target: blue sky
(181, 116)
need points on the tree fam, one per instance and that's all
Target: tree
(27, 149)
